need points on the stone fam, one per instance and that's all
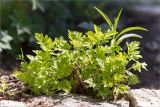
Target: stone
(145, 97)
(72, 100)
(134, 98)
(10, 103)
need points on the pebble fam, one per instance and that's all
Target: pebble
(146, 97)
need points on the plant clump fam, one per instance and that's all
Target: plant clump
(92, 61)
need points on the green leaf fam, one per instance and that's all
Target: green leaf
(112, 33)
(128, 36)
(117, 20)
(44, 41)
(133, 50)
(96, 28)
(36, 4)
(130, 29)
(105, 17)
(144, 66)
(30, 57)
(90, 83)
(5, 39)
(133, 79)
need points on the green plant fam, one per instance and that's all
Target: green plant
(3, 86)
(21, 18)
(94, 60)
(4, 40)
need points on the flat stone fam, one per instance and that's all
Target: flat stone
(10, 103)
(146, 97)
(72, 100)
(138, 98)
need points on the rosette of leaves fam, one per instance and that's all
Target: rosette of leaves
(94, 60)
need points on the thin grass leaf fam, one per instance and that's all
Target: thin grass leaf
(130, 29)
(105, 17)
(128, 36)
(117, 19)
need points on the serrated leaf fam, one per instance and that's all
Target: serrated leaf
(144, 66)
(89, 81)
(45, 42)
(112, 33)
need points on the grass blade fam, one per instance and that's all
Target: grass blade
(130, 29)
(128, 36)
(105, 17)
(117, 19)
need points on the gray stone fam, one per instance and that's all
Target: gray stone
(136, 98)
(72, 100)
(145, 97)
(9, 103)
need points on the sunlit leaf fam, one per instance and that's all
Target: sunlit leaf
(130, 29)
(117, 20)
(105, 17)
(128, 36)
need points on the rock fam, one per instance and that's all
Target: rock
(72, 100)
(136, 98)
(145, 97)
(10, 103)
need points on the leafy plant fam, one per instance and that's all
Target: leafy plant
(21, 18)
(3, 86)
(94, 60)
(4, 40)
